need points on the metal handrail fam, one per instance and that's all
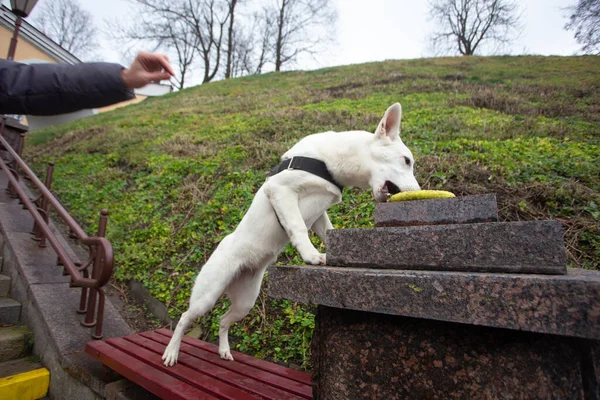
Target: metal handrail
(101, 250)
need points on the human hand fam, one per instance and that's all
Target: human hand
(146, 68)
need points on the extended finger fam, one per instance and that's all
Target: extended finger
(164, 63)
(158, 76)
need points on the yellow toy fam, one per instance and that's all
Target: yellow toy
(421, 195)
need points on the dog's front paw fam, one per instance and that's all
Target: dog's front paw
(225, 354)
(316, 259)
(170, 356)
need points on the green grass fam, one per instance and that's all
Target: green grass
(178, 172)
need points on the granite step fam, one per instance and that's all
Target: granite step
(567, 305)
(456, 210)
(513, 247)
(10, 311)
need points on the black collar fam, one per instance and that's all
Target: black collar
(312, 165)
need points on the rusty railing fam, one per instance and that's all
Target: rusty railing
(100, 249)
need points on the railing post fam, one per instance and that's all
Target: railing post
(102, 223)
(20, 146)
(2, 125)
(84, 292)
(96, 274)
(100, 318)
(13, 167)
(43, 208)
(91, 300)
(93, 292)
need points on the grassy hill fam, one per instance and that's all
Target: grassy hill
(178, 172)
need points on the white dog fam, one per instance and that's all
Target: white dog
(285, 207)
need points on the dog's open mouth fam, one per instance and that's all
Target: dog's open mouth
(388, 189)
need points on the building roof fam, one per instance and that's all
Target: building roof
(154, 89)
(36, 37)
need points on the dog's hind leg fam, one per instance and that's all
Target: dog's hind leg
(197, 309)
(243, 292)
(209, 286)
(321, 226)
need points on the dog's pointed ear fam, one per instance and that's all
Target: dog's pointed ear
(390, 123)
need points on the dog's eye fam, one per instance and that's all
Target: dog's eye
(407, 160)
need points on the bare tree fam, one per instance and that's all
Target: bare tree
(252, 44)
(249, 40)
(65, 22)
(213, 20)
(301, 27)
(214, 36)
(181, 40)
(466, 25)
(585, 21)
(265, 25)
(242, 57)
(230, 42)
(152, 30)
(194, 28)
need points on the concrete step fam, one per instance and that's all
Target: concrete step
(10, 311)
(15, 342)
(20, 365)
(23, 379)
(4, 285)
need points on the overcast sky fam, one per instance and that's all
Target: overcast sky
(373, 30)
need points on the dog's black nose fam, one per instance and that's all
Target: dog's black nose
(392, 188)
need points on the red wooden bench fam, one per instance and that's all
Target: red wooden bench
(199, 373)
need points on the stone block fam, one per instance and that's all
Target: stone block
(4, 286)
(457, 210)
(566, 305)
(360, 355)
(15, 342)
(10, 311)
(517, 247)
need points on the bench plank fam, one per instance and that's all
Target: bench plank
(200, 373)
(161, 384)
(265, 377)
(246, 359)
(181, 372)
(235, 379)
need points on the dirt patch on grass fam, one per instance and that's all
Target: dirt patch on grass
(186, 146)
(532, 100)
(135, 314)
(65, 143)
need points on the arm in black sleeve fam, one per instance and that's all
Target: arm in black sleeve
(50, 89)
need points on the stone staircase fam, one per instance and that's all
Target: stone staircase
(22, 376)
(48, 307)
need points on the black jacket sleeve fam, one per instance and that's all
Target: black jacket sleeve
(50, 89)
